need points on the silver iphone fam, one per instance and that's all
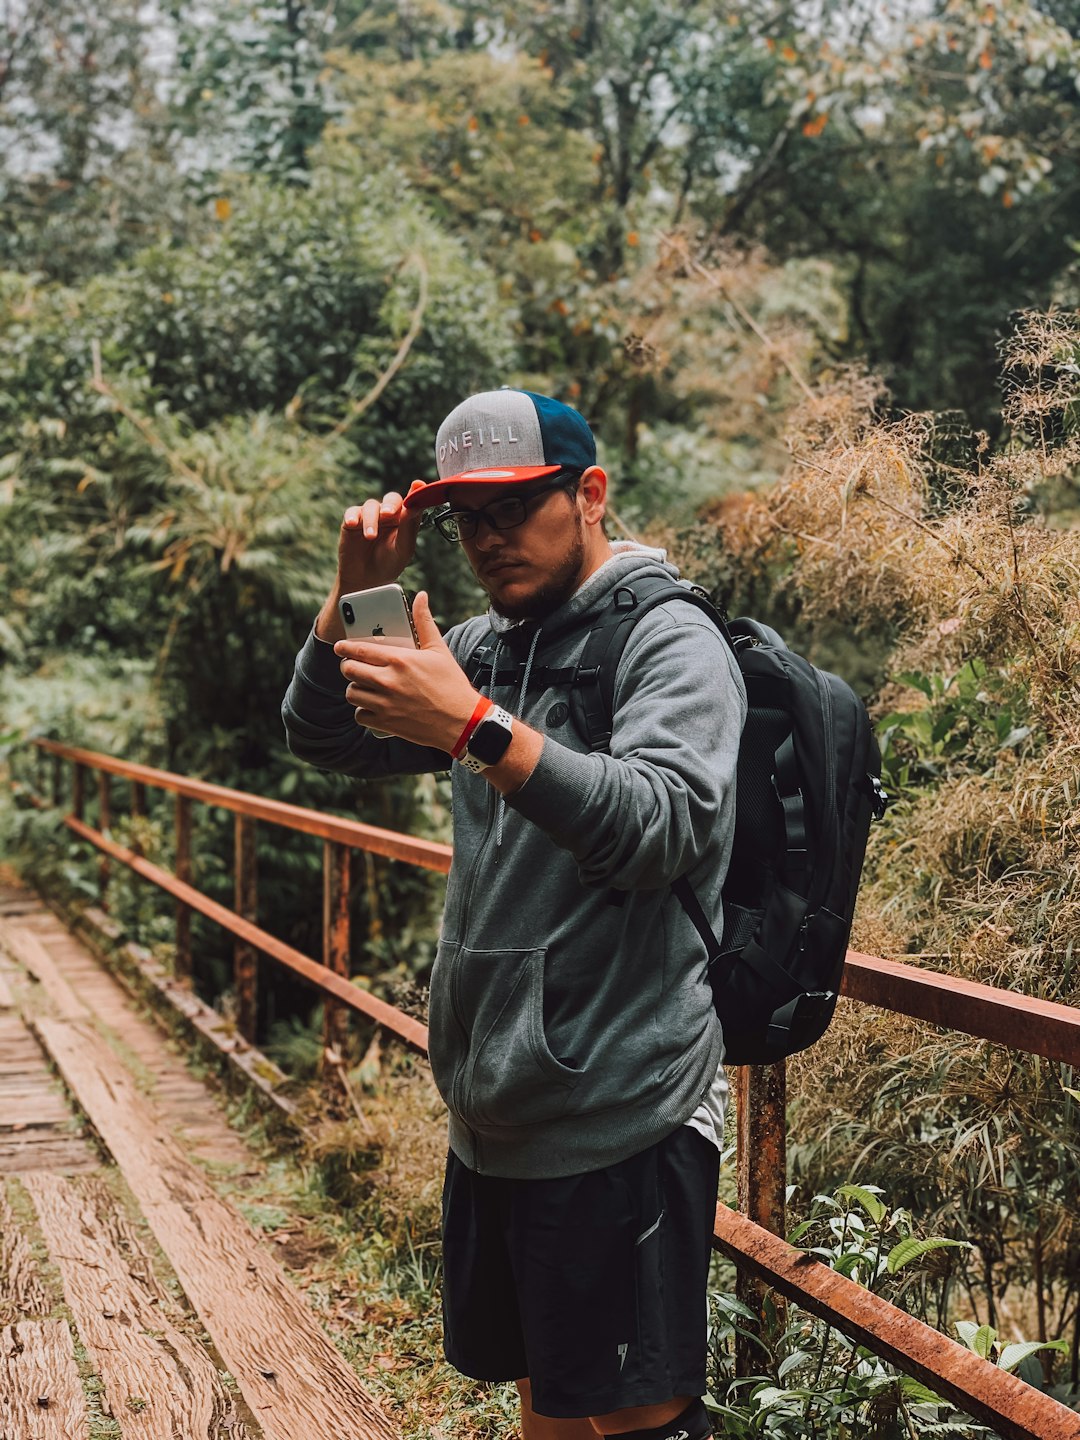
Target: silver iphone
(380, 616)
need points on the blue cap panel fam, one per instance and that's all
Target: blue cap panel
(568, 441)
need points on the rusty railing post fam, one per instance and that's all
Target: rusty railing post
(57, 781)
(182, 963)
(42, 772)
(138, 812)
(245, 956)
(336, 875)
(78, 790)
(104, 822)
(761, 1164)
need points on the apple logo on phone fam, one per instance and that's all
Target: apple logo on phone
(377, 630)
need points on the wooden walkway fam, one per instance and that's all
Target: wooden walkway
(102, 1331)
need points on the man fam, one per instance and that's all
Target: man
(572, 1032)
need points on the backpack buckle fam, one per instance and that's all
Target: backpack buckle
(879, 798)
(625, 599)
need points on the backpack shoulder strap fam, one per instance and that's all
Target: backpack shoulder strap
(480, 659)
(594, 693)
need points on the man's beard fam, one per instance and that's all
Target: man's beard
(555, 590)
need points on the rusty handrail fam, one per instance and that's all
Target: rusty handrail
(1007, 1017)
(1018, 1411)
(404, 1026)
(428, 854)
(1022, 1022)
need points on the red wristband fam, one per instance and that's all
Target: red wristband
(483, 705)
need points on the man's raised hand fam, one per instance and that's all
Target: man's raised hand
(376, 542)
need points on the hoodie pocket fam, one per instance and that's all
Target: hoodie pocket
(509, 1075)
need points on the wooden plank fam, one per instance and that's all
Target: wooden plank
(184, 874)
(35, 1118)
(246, 901)
(31, 1110)
(104, 825)
(25, 1085)
(174, 1090)
(158, 1381)
(289, 1372)
(336, 867)
(41, 1397)
(28, 950)
(761, 1168)
(38, 1150)
(22, 1293)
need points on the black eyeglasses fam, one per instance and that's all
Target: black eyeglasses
(506, 513)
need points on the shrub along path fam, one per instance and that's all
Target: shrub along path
(132, 1274)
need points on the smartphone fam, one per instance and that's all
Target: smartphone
(380, 616)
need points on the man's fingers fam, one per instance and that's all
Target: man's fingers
(427, 632)
(359, 695)
(375, 516)
(353, 665)
(371, 511)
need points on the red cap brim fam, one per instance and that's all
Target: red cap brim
(435, 492)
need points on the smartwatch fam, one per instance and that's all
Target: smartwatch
(490, 740)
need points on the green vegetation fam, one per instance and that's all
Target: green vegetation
(812, 275)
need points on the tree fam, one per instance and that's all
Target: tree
(932, 155)
(201, 418)
(652, 83)
(85, 176)
(247, 90)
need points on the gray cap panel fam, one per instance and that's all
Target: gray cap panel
(495, 428)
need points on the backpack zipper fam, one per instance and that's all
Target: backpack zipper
(830, 760)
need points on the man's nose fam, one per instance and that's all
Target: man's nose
(487, 537)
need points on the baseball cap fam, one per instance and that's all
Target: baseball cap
(505, 437)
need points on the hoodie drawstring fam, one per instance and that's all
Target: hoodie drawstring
(500, 810)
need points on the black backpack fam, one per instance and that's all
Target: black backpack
(808, 784)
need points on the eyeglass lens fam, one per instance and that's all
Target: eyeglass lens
(505, 514)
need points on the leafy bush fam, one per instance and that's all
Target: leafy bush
(816, 1382)
(968, 719)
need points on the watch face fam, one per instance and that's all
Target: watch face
(489, 741)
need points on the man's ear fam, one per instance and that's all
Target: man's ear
(592, 488)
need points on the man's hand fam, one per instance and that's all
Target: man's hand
(376, 542)
(419, 695)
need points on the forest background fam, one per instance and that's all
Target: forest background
(811, 272)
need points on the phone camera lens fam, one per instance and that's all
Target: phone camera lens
(348, 612)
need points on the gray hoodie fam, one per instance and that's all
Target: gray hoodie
(571, 1022)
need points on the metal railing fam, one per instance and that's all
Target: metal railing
(751, 1237)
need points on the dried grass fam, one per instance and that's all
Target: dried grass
(874, 530)
(387, 1161)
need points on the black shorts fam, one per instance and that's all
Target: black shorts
(592, 1286)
